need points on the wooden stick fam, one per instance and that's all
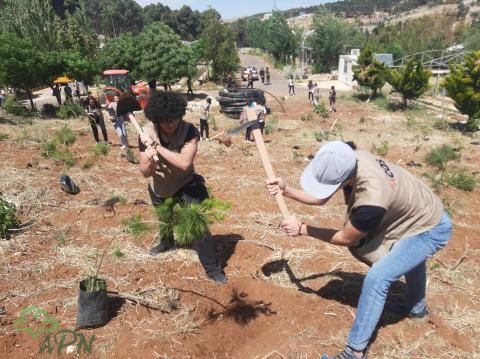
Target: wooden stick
(217, 135)
(139, 300)
(145, 141)
(267, 164)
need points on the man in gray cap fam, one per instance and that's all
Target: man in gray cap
(394, 222)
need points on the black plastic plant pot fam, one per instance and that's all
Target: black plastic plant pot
(92, 304)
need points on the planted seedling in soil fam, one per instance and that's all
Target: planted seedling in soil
(135, 225)
(188, 222)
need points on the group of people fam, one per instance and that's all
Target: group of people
(265, 76)
(314, 96)
(96, 119)
(68, 92)
(394, 222)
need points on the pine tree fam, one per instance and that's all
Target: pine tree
(370, 72)
(411, 80)
(463, 86)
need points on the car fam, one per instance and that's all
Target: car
(249, 69)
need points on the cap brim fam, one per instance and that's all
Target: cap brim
(314, 188)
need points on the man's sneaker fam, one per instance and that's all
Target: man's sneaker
(402, 309)
(218, 276)
(348, 353)
(163, 246)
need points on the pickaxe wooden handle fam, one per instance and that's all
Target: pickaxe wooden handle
(143, 138)
(266, 163)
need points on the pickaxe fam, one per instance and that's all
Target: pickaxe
(125, 107)
(252, 122)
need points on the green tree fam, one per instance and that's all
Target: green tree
(31, 19)
(160, 53)
(330, 39)
(463, 86)
(21, 65)
(471, 37)
(255, 33)
(369, 72)
(280, 42)
(121, 52)
(81, 68)
(411, 80)
(220, 48)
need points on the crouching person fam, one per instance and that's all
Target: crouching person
(174, 175)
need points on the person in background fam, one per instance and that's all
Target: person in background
(394, 222)
(310, 91)
(267, 75)
(3, 97)
(68, 93)
(174, 176)
(262, 75)
(316, 94)
(249, 79)
(204, 119)
(152, 85)
(261, 112)
(291, 86)
(332, 98)
(118, 122)
(95, 117)
(58, 94)
(189, 86)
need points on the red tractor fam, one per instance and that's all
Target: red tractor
(118, 82)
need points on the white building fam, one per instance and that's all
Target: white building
(346, 62)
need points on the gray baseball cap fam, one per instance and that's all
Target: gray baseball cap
(332, 164)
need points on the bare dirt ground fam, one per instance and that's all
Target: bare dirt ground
(296, 299)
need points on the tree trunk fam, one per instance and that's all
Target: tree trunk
(30, 97)
(405, 104)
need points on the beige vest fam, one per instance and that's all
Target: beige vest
(411, 207)
(168, 179)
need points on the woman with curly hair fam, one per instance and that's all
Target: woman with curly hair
(175, 145)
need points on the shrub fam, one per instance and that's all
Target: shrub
(271, 125)
(10, 106)
(381, 150)
(100, 149)
(70, 110)
(8, 219)
(65, 136)
(188, 222)
(440, 156)
(321, 135)
(321, 110)
(48, 149)
(3, 137)
(306, 117)
(462, 181)
(135, 225)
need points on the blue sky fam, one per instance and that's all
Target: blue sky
(235, 8)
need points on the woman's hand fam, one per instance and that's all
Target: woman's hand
(292, 226)
(151, 152)
(276, 185)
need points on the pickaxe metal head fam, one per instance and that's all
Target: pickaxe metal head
(127, 103)
(226, 139)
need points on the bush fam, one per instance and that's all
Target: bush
(70, 110)
(381, 150)
(65, 136)
(3, 137)
(100, 149)
(440, 156)
(188, 222)
(8, 219)
(321, 109)
(135, 225)
(10, 106)
(270, 126)
(462, 181)
(306, 117)
(48, 149)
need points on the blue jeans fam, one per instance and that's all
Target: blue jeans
(121, 129)
(407, 257)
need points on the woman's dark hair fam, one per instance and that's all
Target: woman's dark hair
(89, 98)
(165, 107)
(209, 100)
